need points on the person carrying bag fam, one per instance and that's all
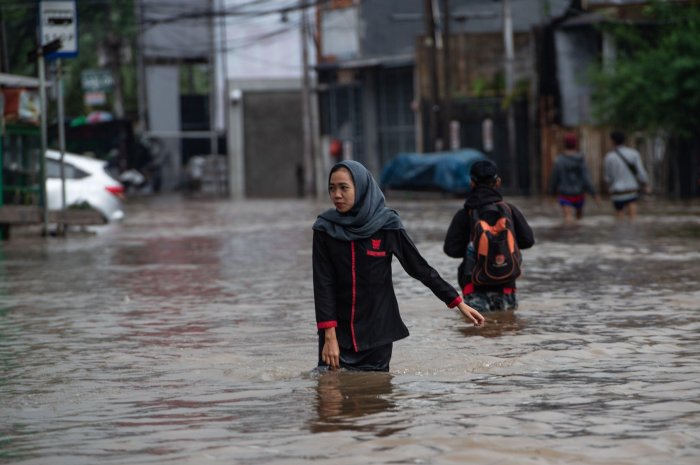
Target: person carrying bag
(625, 176)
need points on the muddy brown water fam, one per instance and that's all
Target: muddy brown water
(185, 335)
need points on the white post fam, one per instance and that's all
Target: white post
(213, 84)
(61, 142)
(307, 125)
(44, 137)
(236, 144)
(509, 59)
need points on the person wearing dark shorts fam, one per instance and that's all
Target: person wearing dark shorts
(570, 180)
(625, 176)
(623, 201)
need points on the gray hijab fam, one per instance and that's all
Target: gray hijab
(367, 216)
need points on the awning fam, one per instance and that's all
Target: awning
(372, 62)
(13, 80)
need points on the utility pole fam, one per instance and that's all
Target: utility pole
(41, 63)
(113, 49)
(114, 46)
(213, 84)
(446, 62)
(509, 61)
(5, 63)
(308, 140)
(39, 54)
(226, 105)
(140, 73)
(62, 228)
(434, 142)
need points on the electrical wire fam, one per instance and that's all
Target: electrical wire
(191, 14)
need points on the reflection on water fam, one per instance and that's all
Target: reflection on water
(344, 396)
(498, 324)
(186, 335)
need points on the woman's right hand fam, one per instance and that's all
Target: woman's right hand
(331, 351)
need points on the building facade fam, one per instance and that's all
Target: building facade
(387, 73)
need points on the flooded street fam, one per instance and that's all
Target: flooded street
(186, 335)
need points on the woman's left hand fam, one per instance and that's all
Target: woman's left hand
(476, 317)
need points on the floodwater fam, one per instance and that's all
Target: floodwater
(186, 335)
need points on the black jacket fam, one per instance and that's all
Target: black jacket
(354, 291)
(460, 230)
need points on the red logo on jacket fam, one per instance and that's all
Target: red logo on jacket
(376, 244)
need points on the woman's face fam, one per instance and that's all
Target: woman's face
(342, 190)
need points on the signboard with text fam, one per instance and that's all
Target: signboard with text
(58, 19)
(96, 80)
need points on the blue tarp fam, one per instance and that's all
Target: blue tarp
(437, 171)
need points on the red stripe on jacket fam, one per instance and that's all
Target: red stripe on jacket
(354, 295)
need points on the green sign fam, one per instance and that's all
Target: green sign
(96, 80)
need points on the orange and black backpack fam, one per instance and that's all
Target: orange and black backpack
(497, 258)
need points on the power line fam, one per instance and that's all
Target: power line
(188, 15)
(244, 41)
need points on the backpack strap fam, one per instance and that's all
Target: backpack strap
(474, 213)
(630, 166)
(498, 207)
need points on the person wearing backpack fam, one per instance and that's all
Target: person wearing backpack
(570, 180)
(488, 234)
(625, 176)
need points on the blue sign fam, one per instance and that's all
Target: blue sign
(58, 19)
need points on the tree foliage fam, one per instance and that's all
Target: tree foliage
(102, 27)
(654, 83)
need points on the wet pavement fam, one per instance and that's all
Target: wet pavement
(186, 335)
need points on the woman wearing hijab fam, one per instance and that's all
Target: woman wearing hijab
(357, 313)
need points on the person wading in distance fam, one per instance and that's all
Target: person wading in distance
(571, 180)
(625, 176)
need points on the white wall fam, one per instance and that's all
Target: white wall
(263, 45)
(164, 117)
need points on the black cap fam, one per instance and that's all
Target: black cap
(484, 172)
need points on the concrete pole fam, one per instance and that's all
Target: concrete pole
(510, 85)
(44, 137)
(113, 44)
(307, 126)
(140, 73)
(236, 143)
(213, 84)
(61, 142)
(225, 101)
(446, 69)
(432, 75)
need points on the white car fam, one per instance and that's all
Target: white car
(87, 182)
